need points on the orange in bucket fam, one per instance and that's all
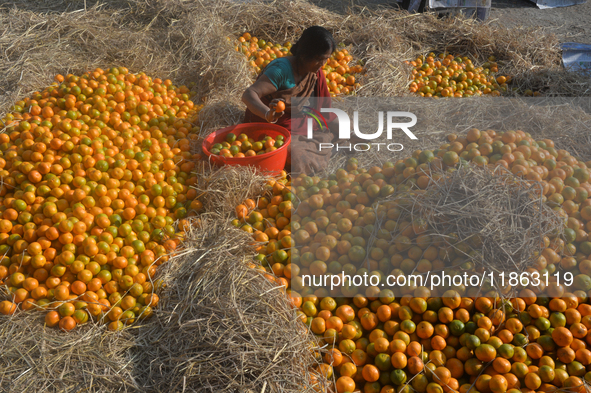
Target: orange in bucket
(272, 162)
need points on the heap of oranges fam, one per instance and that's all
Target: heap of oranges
(445, 75)
(269, 220)
(96, 170)
(340, 74)
(458, 342)
(260, 52)
(243, 146)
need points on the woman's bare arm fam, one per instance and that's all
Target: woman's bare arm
(252, 98)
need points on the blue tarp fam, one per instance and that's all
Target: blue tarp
(542, 4)
(576, 56)
(459, 3)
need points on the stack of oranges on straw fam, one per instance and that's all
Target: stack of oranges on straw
(269, 220)
(444, 75)
(458, 342)
(340, 76)
(96, 170)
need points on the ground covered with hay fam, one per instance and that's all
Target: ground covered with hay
(220, 325)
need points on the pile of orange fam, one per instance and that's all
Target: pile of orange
(445, 75)
(96, 171)
(269, 220)
(260, 52)
(340, 74)
(458, 342)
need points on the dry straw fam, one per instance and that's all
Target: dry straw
(493, 220)
(222, 326)
(38, 359)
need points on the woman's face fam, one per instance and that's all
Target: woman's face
(314, 64)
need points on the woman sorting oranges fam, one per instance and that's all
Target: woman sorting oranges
(300, 76)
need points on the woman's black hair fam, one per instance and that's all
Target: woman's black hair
(315, 41)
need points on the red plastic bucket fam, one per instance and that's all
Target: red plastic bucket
(272, 162)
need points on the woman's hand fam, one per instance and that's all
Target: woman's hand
(272, 116)
(252, 98)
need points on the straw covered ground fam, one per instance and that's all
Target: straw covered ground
(221, 326)
(186, 41)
